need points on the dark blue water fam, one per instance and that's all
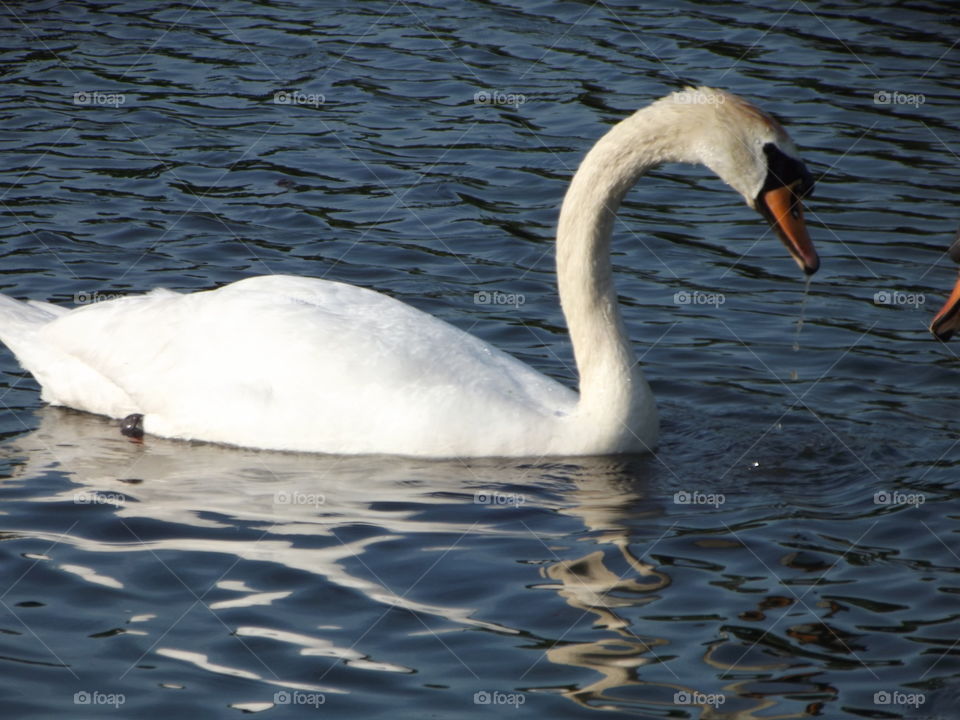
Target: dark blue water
(422, 150)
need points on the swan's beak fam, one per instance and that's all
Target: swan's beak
(947, 321)
(784, 211)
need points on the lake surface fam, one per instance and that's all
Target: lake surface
(790, 551)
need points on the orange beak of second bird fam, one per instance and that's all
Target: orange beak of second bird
(946, 322)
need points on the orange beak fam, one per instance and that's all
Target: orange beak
(947, 321)
(784, 211)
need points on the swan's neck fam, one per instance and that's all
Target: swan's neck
(613, 392)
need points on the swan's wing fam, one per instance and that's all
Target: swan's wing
(298, 363)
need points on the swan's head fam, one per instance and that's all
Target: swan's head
(946, 322)
(752, 153)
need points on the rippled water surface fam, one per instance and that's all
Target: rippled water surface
(422, 150)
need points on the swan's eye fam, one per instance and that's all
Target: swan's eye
(785, 171)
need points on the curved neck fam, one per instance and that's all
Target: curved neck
(612, 387)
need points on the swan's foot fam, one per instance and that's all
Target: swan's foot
(132, 426)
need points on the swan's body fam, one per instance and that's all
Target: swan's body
(293, 363)
(262, 363)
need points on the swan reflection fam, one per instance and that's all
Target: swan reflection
(303, 512)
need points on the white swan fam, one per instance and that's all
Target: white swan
(291, 363)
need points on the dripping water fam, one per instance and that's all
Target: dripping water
(803, 312)
(794, 374)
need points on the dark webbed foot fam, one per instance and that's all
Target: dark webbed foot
(132, 426)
